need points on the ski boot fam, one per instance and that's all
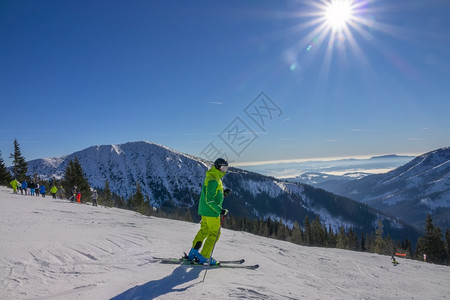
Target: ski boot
(193, 254)
(203, 260)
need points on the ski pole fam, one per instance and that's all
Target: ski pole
(215, 241)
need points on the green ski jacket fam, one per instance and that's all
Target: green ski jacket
(211, 198)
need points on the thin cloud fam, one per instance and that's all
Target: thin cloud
(362, 130)
(215, 102)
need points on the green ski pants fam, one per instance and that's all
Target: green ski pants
(209, 230)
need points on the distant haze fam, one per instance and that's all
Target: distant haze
(287, 169)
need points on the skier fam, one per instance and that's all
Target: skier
(32, 187)
(14, 185)
(74, 194)
(53, 191)
(24, 187)
(394, 261)
(79, 197)
(210, 209)
(61, 192)
(42, 190)
(94, 198)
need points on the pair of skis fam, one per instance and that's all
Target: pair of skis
(230, 264)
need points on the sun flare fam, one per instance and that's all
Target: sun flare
(338, 13)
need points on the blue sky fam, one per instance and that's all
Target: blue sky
(184, 73)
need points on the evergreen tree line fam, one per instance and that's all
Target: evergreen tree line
(436, 249)
(313, 233)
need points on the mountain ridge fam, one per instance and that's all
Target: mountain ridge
(410, 191)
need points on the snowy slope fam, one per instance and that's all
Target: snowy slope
(53, 249)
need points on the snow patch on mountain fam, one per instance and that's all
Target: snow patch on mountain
(271, 188)
(328, 220)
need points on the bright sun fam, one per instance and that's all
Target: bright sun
(338, 13)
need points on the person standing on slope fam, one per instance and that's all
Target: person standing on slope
(94, 198)
(74, 194)
(14, 185)
(61, 192)
(24, 187)
(54, 190)
(210, 209)
(42, 190)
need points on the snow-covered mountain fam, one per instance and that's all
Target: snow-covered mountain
(172, 179)
(409, 192)
(53, 249)
(325, 181)
(164, 174)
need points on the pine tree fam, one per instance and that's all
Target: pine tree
(297, 234)
(137, 201)
(107, 196)
(440, 252)
(342, 239)
(447, 244)
(5, 176)
(353, 243)
(263, 229)
(318, 236)
(370, 243)
(20, 166)
(74, 176)
(308, 233)
(282, 233)
(331, 237)
(363, 244)
(380, 244)
(119, 202)
(424, 243)
(431, 244)
(406, 246)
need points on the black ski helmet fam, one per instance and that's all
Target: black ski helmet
(220, 162)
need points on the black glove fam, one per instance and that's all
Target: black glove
(226, 192)
(224, 212)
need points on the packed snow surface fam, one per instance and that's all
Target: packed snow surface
(53, 249)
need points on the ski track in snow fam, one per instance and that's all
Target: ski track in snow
(53, 249)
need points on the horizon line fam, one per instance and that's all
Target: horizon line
(321, 159)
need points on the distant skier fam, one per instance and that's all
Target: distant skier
(61, 192)
(74, 194)
(210, 209)
(24, 187)
(53, 190)
(79, 197)
(394, 261)
(14, 185)
(94, 198)
(32, 187)
(42, 190)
